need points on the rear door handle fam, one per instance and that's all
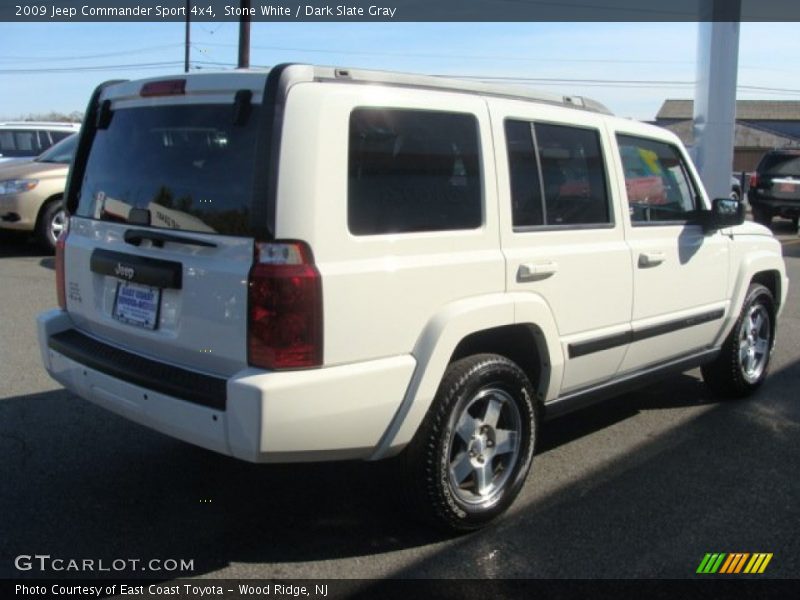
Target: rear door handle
(536, 271)
(651, 259)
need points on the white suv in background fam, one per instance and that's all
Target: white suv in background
(315, 263)
(28, 139)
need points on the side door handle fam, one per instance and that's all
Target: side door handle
(536, 271)
(651, 259)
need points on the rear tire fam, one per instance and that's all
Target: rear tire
(795, 222)
(472, 452)
(52, 221)
(742, 365)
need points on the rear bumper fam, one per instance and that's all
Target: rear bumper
(313, 415)
(780, 206)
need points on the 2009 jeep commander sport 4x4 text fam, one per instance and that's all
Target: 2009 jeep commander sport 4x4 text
(314, 263)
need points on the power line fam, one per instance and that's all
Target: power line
(517, 58)
(568, 80)
(541, 81)
(374, 53)
(457, 56)
(125, 67)
(85, 56)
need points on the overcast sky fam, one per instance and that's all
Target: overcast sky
(630, 67)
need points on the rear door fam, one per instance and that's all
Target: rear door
(560, 232)
(161, 240)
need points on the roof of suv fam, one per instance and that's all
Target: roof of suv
(299, 73)
(39, 125)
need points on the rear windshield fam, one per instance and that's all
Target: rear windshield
(780, 164)
(189, 167)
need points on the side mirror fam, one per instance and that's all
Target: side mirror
(725, 212)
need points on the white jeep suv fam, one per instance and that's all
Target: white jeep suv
(315, 263)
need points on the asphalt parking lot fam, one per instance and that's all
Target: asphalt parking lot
(641, 486)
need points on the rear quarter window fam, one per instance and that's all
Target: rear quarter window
(412, 171)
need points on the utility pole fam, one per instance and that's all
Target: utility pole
(244, 35)
(186, 49)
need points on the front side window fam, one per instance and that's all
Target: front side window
(656, 180)
(412, 171)
(557, 175)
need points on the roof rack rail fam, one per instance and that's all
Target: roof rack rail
(436, 82)
(55, 124)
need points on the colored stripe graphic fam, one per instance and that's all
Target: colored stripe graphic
(758, 563)
(703, 563)
(732, 558)
(741, 562)
(734, 562)
(711, 563)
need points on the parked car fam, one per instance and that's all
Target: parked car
(409, 267)
(28, 139)
(775, 187)
(31, 192)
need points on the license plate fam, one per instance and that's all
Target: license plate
(787, 187)
(137, 304)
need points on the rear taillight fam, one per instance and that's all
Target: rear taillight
(754, 180)
(284, 307)
(61, 288)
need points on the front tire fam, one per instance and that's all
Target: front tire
(472, 453)
(742, 365)
(52, 221)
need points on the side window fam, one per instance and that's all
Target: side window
(44, 140)
(412, 170)
(656, 180)
(527, 208)
(59, 135)
(7, 141)
(561, 182)
(27, 141)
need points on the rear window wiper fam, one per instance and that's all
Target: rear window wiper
(136, 236)
(241, 107)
